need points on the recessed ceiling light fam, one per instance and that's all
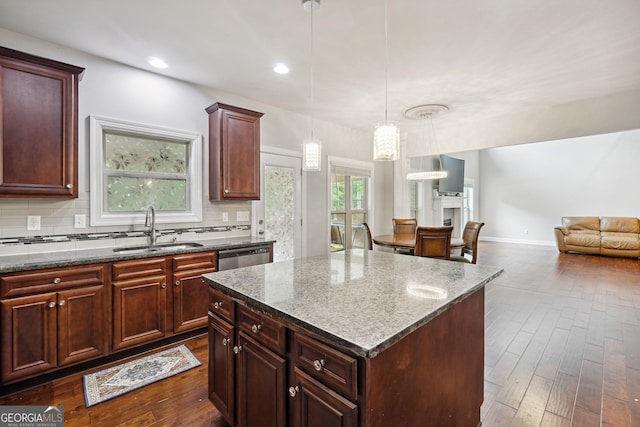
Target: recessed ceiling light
(157, 62)
(281, 68)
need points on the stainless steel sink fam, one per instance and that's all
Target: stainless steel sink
(156, 248)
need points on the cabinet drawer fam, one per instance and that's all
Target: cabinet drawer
(329, 366)
(263, 329)
(126, 270)
(221, 305)
(53, 279)
(195, 261)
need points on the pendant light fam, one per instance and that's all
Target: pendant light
(386, 135)
(427, 136)
(311, 148)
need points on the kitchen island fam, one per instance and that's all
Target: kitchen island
(357, 338)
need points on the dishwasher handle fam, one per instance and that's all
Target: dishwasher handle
(232, 253)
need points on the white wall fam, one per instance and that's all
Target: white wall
(526, 189)
(114, 90)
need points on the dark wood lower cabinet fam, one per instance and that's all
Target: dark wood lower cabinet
(45, 331)
(139, 311)
(432, 376)
(222, 367)
(313, 404)
(260, 381)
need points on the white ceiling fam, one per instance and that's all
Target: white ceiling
(485, 59)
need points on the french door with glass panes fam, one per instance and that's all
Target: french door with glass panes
(349, 210)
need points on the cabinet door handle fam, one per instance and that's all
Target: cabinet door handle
(51, 304)
(69, 186)
(237, 349)
(226, 190)
(164, 285)
(226, 341)
(256, 328)
(57, 280)
(293, 391)
(177, 282)
(318, 365)
(62, 303)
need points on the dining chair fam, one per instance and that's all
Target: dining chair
(470, 243)
(433, 242)
(368, 236)
(404, 228)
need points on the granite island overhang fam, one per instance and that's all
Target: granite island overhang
(413, 328)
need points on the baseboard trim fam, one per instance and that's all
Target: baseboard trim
(518, 241)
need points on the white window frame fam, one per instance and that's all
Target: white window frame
(98, 125)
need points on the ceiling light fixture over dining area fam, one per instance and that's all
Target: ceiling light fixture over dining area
(427, 137)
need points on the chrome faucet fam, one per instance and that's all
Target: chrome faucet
(150, 221)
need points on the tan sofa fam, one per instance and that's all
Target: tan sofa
(615, 236)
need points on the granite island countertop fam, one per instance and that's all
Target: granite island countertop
(67, 258)
(362, 300)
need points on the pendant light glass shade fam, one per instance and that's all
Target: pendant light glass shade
(312, 147)
(386, 141)
(312, 155)
(386, 135)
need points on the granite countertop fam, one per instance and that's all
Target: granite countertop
(362, 300)
(34, 261)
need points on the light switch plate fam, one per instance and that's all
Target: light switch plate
(33, 222)
(242, 216)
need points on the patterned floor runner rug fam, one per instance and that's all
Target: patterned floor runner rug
(109, 383)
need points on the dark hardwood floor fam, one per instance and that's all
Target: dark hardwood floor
(562, 349)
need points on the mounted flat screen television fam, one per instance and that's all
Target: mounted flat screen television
(453, 184)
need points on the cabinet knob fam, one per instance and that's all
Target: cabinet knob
(62, 303)
(164, 285)
(237, 349)
(293, 391)
(51, 305)
(256, 328)
(57, 280)
(217, 304)
(226, 190)
(226, 341)
(318, 365)
(69, 186)
(177, 282)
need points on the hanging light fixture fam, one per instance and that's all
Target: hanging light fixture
(386, 135)
(311, 148)
(427, 135)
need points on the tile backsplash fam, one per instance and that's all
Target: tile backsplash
(57, 219)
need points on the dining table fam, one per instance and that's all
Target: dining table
(395, 241)
(404, 242)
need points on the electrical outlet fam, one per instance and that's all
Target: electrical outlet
(225, 216)
(242, 216)
(79, 221)
(525, 231)
(33, 222)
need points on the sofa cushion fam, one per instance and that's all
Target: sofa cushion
(622, 241)
(581, 222)
(620, 224)
(587, 238)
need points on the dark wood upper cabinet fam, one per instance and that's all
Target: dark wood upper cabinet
(234, 153)
(39, 130)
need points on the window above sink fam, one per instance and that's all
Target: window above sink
(136, 166)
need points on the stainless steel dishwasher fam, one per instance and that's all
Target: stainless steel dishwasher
(243, 257)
